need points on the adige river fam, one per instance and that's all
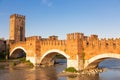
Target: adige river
(51, 73)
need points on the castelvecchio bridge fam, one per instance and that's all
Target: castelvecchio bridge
(80, 51)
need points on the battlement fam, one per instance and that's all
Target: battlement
(86, 38)
(17, 16)
(101, 43)
(93, 37)
(72, 36)
(53, 37)
(54, 42)
(33, 38)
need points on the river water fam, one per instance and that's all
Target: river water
(50, 73)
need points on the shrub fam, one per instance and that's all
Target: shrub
(71, 69)
(29, 63)
(22, 59)
(72, 76)
(13, 64)
(2, 55)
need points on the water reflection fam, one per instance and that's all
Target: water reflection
(50, 73)
(47, 73)
(85, 77)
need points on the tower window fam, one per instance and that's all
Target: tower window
(21, 33)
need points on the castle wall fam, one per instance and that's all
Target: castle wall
(96, 47)
(47, 45)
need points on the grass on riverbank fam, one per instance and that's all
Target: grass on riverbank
(27, 62)
(70, 69)
(22, 62)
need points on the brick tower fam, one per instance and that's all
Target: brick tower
(17, 27)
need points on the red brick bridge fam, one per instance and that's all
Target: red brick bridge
(80, 51)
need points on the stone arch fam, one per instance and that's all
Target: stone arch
(94, 61)
(53, 52)
(16, 48)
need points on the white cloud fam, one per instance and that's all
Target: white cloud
(47, 2)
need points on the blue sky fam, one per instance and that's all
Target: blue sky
(59, 17)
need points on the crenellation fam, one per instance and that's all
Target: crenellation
(33, 38)
(117, 42)
(75, 36)
(53, 37)
(53, 42)
(72, 36)
(17, 16)
(93, 37)
(102, 39)
(93, 42)
(107, 43)
(68, 36)
(86, 38)
(79, 36)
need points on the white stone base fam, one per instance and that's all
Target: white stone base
(86, 63)
(72, 63)
(32, 60)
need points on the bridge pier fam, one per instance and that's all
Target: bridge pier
(34, 60)
(73, 63)
(77, 64)
(81, 64)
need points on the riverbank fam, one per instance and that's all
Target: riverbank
(23, 65)
(16, 63)
(83, 72)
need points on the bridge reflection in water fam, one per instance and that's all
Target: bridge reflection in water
(85, 77)
(47, 73)
(50, 73)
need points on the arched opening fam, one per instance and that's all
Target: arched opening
(95, 64)
(55, 57)
(110, 63)
(103, 60)
(18, 53)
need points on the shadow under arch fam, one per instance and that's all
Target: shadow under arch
(18, 52)
(94, 61)
(47, 58)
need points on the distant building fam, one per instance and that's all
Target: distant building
(2, 45)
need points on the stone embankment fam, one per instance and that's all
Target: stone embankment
(92, 71)
(83, 72)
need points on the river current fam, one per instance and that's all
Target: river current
(51, 73)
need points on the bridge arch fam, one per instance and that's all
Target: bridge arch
(94, 61)
(47, 57)
(17, 49)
